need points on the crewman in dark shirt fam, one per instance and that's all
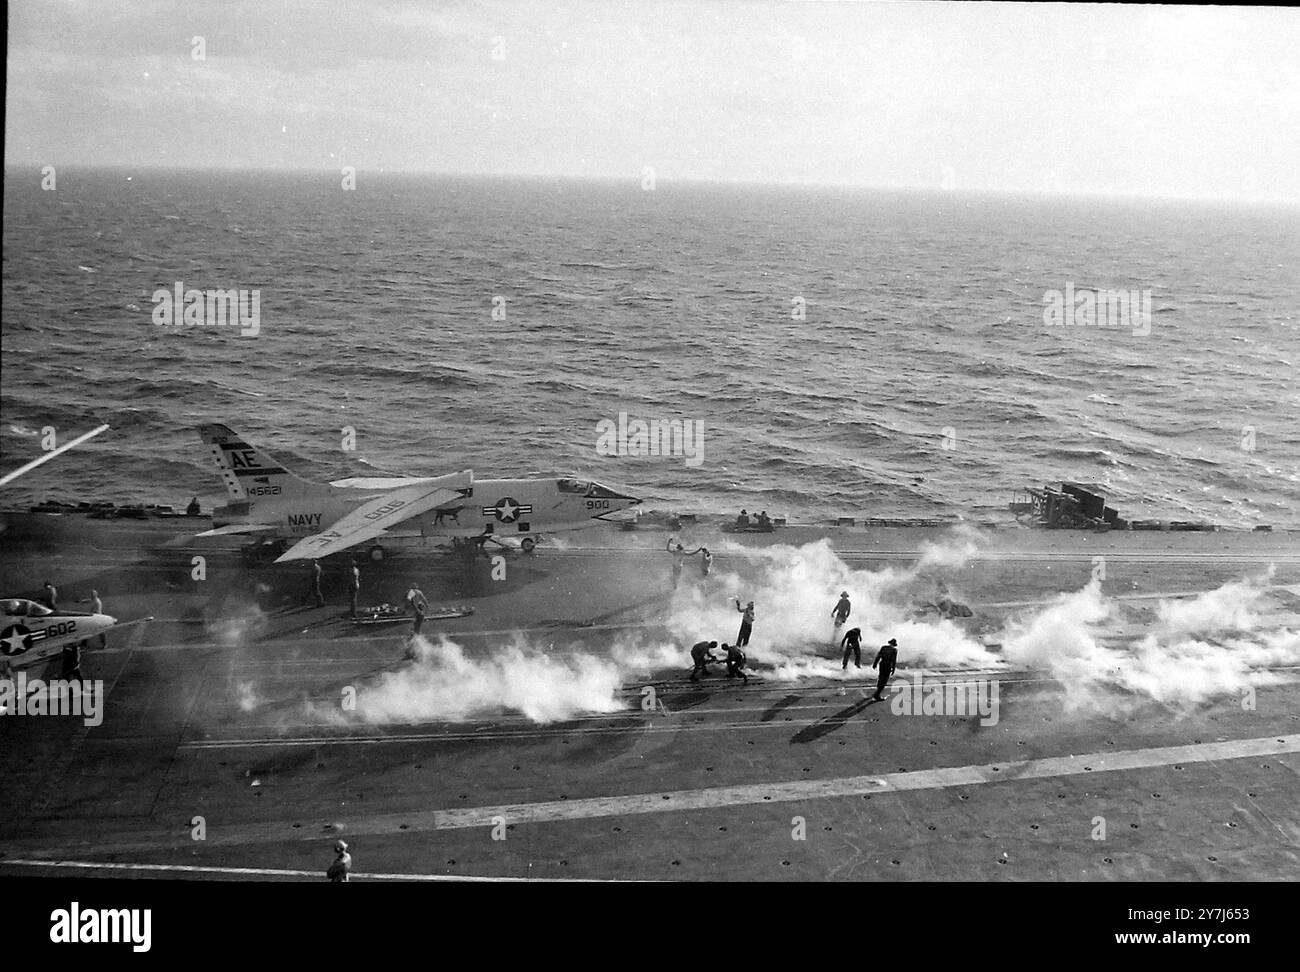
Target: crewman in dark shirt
(702, 654)
(842, 608)
(735, 662)
(852, 642)
(887, 659)
(840, 613)
(72, 661)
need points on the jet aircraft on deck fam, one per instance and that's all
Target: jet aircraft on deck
(268, 500)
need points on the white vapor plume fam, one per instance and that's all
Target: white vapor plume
(1214, 644)
(237, 624)
(794, 590)
(543, 684)
(1218, 643)
(954, 554)
(1233, 605)
(247, 697)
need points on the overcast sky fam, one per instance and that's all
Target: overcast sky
(1177, 101)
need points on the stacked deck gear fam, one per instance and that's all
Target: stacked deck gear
(1074, 506)
(749, 526)
(396, 614)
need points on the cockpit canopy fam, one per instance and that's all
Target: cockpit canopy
(598, 491)
(20, 607)
(585, 487)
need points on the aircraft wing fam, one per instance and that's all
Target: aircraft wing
(374, 482)
(374, 518)
(235, 528)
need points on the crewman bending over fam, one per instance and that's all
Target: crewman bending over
(702, 654)
(735, 662)
(852, 642)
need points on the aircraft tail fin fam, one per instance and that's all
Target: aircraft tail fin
(249, 472)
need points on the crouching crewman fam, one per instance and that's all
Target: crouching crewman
(735, 662)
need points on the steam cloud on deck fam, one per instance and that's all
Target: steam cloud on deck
(1216, 643)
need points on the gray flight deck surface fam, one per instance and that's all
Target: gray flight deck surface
(715, 783)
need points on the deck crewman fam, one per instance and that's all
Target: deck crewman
(97, 606)
(702, 654)
(416, 602)
(852, 643)
(355, 583)
(746, 622)
(887, 659)
(313, 588)
(50, 595)
(72, 661)
(735, 662)
(679, 560)
(342, 867)
(841, 612)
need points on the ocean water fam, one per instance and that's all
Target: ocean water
(921, 381)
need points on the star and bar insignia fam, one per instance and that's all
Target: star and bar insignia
(16, 639)
(507, 510)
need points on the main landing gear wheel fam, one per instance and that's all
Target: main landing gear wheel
(527, 544)
(377, 554)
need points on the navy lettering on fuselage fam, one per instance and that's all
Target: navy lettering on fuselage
(304, 519)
